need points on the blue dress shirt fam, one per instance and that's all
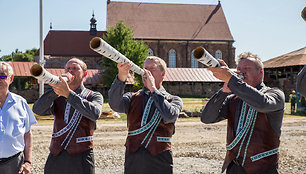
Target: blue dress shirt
(16, 118)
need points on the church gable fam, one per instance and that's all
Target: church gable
(171, 21)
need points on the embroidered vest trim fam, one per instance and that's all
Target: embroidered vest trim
(252, 156)
(77, 135)
(141, 133)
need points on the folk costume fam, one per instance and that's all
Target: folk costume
(150, 122)
(71, 148)
(254, 117)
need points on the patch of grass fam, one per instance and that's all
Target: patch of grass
(189, 119)
(288, 111)
(189, 105)
(106, 107)
(192, 104)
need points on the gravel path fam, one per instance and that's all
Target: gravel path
(197, 148)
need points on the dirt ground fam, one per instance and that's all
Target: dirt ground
(197, 148)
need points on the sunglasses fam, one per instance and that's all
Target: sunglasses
(3, 76)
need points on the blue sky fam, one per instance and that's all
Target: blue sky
(267, 28)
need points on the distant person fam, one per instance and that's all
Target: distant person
(254, 114)
(301, 82)
(151, 114)
(16, 119)
(75, 109)
(292, 100)
(303, 104)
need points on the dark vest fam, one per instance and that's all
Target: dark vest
(133, 143)
(85, 129)
(263, 139)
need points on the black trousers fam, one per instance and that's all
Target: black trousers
(237, 169)
(142, 162)
(12, 164)
(293, 106)
(64, 163)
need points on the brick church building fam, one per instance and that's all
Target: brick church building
(172, 32)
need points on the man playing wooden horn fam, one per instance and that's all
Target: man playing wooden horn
(254, 114)
(75, 109)
(151, 114)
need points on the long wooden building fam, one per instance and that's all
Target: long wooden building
(282, 71)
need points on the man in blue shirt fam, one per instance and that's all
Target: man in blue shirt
(16, 119)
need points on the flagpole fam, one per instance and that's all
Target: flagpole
(41, 40)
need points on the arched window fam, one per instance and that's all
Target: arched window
(194, 62)
(172, 59)
(150, 52)
(218, 54)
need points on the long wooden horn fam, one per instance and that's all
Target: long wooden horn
(42, 74)
(100, 46)
(203, 56)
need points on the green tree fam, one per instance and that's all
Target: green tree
(18, 56)
(121, 38)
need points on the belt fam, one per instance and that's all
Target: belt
(2, 160)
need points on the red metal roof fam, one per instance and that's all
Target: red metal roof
(94, 76)
(171, 21)
(189, 75)
(293, 58)
(66, 43)
(22, 68)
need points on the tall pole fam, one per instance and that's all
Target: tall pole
(41, 52)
